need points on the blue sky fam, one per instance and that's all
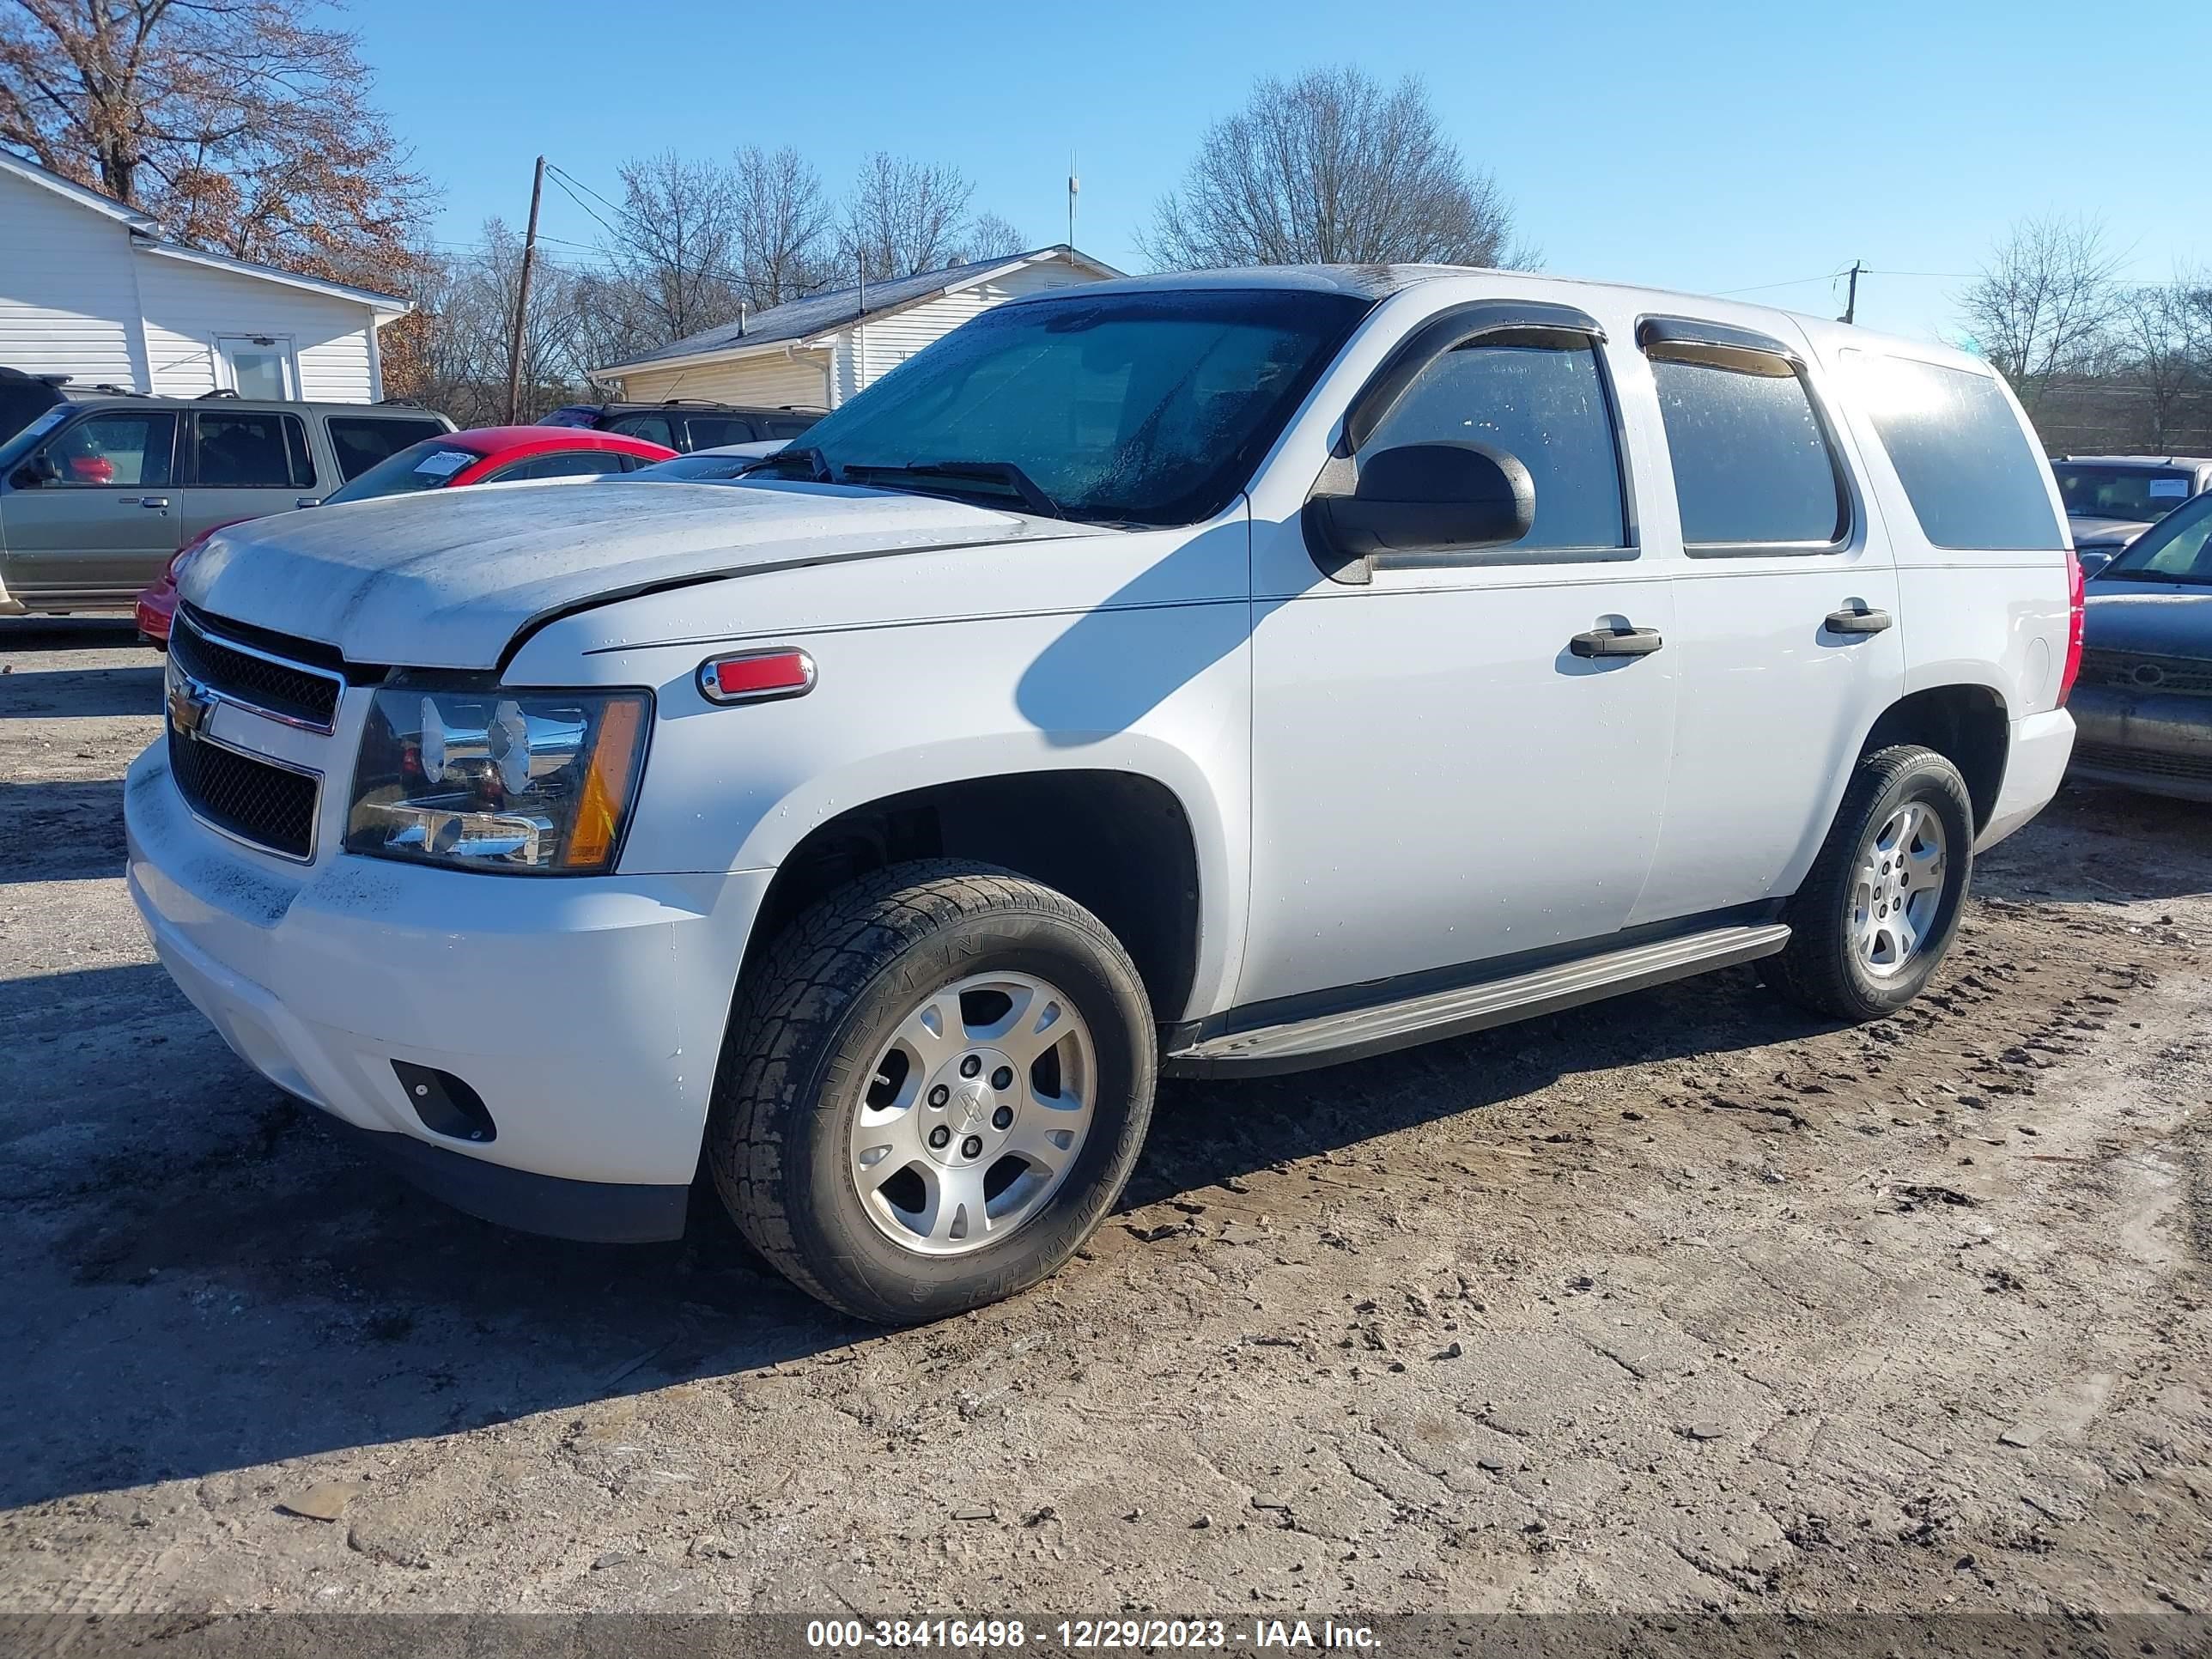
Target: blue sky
(1713, 147)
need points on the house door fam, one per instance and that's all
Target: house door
(258, 366)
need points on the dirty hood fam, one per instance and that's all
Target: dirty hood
(2149, 619)
(448, 579)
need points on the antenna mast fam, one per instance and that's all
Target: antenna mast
(1074, 187)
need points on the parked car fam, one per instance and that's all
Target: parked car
(99, 492)
(2144, 705)
(2113, 499)
(709, 465)
(1215, 673)
(24, 398)
(685, 426)
(488, 455)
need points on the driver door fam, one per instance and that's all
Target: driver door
(1439, 779)
(101, 528)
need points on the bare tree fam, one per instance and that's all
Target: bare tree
(1332, 168)
(903, 217)
(240, 125)
(2152, 347)
(987, 236)
(2041, 307)
(677, 240)
(467, 305)
(786, 229)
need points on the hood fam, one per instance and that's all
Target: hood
(2148, 619)
(2112, 532)
(448, 579)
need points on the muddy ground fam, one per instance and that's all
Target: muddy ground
(1686, 1301)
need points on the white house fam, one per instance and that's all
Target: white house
(88, 289)
(818, 351)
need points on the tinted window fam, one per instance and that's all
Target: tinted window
(1752, 464)
(577, 464)
(2179, 551)
(1146, 408)
(696, 466)
(116, 450)
(1546, 404)
(653, 428)
(712, 431)
(362, 440)
(573, 414)
(2143, 494)
(250, 450)
(1973, 477)
(431, 465)
(788, 427)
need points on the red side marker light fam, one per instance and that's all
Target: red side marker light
(756, 676)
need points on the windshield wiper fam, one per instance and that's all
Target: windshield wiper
(818, 470)
(1000, 472)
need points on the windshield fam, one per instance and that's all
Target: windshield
(2179, 550)
(1149, 409)
(431, 465)
(695, 467)
(2143, 494)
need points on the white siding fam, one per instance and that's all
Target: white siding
(871, 350)
(771, 380)
(67, 306)
(187, 305)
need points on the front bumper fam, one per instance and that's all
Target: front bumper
(2158, 743)
(587, 1014)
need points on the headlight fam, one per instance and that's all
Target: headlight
(533, 782)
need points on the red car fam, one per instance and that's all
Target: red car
(484, 454)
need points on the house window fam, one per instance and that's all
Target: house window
(258, 366)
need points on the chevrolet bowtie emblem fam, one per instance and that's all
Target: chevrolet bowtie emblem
(189, 703)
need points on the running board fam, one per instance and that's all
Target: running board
(1332, 1038)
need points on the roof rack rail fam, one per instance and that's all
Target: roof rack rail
(219, 391)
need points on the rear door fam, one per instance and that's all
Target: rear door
(104, 527)
(247, 463)
(1785, 612)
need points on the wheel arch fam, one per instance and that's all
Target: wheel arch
(1967, 723)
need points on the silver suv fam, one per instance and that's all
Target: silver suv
(99, 491)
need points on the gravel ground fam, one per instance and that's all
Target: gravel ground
(1686, 1301)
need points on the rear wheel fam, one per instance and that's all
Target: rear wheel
(1882, 903)
(933, 1090)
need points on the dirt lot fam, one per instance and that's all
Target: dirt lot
(1686, 1301)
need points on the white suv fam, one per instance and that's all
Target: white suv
(1208, 674)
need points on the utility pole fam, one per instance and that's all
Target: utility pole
(522, 301)
(1852, 302)
(1074, 186)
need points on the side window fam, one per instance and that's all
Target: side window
(577, 464)
(1543, 402)
(1973, 478)
(1753, 466)
(712, 431)
(653, 428)
(121, 451)
(788, 427)
(252, 450)
(361, 440)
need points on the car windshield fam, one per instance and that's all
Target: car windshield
(2142, 494)
(695, 467)
(2179, 551)
(431, 465)
(1147, 409)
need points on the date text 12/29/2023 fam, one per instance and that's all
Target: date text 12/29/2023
(1080, 1635)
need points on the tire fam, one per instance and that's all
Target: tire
(1827, 965)
(830, 1034)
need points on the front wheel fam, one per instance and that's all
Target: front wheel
(1882, 903)
(933, 1090)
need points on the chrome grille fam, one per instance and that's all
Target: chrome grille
(251, 678)
(269, 806)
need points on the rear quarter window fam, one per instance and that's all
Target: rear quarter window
(1974, 480)
(360, 441)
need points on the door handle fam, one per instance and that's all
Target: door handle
(159, 503)
(308, 501)
(1857, 622)
(1616, 642)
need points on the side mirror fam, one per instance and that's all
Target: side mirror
(38, 469)
(1421, 501)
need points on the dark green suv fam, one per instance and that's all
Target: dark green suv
(99, 491)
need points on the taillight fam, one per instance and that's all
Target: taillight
(756, 676)
(2077, 616)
